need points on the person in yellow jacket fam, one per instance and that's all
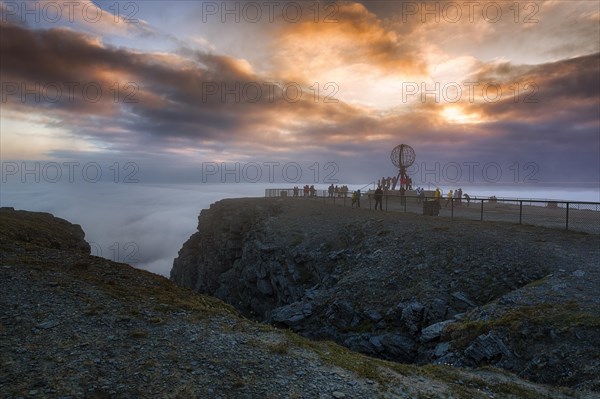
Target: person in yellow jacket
(449, 198)
(356, 198)
(437, 197)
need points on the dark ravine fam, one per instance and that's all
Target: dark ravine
(407, 288)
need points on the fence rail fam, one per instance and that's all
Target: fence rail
(570, 215)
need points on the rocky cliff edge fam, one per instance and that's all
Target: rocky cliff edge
(78, 326)
(407, 288)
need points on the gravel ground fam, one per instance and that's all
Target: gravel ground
(78, 326)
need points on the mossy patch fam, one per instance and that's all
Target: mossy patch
(334, 354)
(561, 317)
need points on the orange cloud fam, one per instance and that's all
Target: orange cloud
(357, 38)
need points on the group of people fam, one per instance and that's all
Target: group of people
(308, 191)
(311, 191)
(389, 183)
(455, 196)
(337, 191)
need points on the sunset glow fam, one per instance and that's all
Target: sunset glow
(312, 81)
(456, 115)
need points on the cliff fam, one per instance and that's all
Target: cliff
(407, 288)
(74, 325)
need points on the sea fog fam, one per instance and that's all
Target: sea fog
(145, 225)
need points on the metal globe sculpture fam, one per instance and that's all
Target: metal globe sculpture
(402, 157)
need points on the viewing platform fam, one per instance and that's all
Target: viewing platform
(579, 216)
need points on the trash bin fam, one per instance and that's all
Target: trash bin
(283, 194)
(427, 208)
(431, 208)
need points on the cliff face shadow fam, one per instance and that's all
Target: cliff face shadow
(404, 287)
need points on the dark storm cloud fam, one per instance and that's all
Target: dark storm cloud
(572, 78)
(172, 109)
(171, 97)
(555, 123)
(562, 113)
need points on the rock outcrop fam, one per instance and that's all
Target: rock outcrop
(74, 325)
(405, 287)
(40, 230)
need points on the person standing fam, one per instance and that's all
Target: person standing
(449, 198)
(379, 198)
(356, 198)
(420, 195)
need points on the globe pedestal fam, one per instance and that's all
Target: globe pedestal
(402, 157)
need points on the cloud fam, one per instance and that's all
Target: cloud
(192, 103)
(195, 96)
(353, 49)
(114, 19)
(529, 91)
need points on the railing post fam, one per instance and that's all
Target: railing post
(482, 210)
(369, 200)
(386, 202)
(567, 223)
(452, 209)
(520, 212)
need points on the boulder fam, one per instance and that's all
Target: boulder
(292, 314)
(398, 347)
(434, 331)
(412, 315)
(462, 301)
(487, 347)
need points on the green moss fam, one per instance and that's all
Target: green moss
(518, 391)
(469, 386)
(443, 373)
(115, 279)
(562, 317)
(334, 354)
(279, 348)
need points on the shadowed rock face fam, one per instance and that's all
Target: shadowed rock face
(70, 320)
(405, 287)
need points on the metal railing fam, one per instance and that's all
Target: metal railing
(570, 215)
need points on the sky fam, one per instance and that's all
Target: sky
(187, 90)
(200, 93)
